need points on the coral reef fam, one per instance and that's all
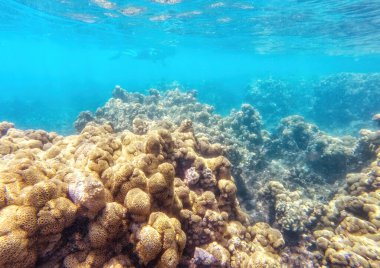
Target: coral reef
(304, 159)
(240, 133)
(297, 153)
(159, 194)
(292, 212)
(106, 199)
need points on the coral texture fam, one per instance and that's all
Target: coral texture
(349, 231)
(292, 212)
(106, 199)
(169, 198)
(297, 153)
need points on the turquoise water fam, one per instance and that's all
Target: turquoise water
(58, 58)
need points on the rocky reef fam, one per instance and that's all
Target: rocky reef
(297, 154)
(106, 199)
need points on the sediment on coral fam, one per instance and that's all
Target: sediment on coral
(297, 153)
(106, 199)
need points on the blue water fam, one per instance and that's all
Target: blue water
(58, 58)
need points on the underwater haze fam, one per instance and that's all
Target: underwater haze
(61, 57)
(189, 133)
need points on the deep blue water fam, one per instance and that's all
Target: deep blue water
(58, 58)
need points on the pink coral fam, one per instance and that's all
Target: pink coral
(87, 192)
(191, 176)
(203, 258)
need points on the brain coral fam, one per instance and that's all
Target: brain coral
(138, 203)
